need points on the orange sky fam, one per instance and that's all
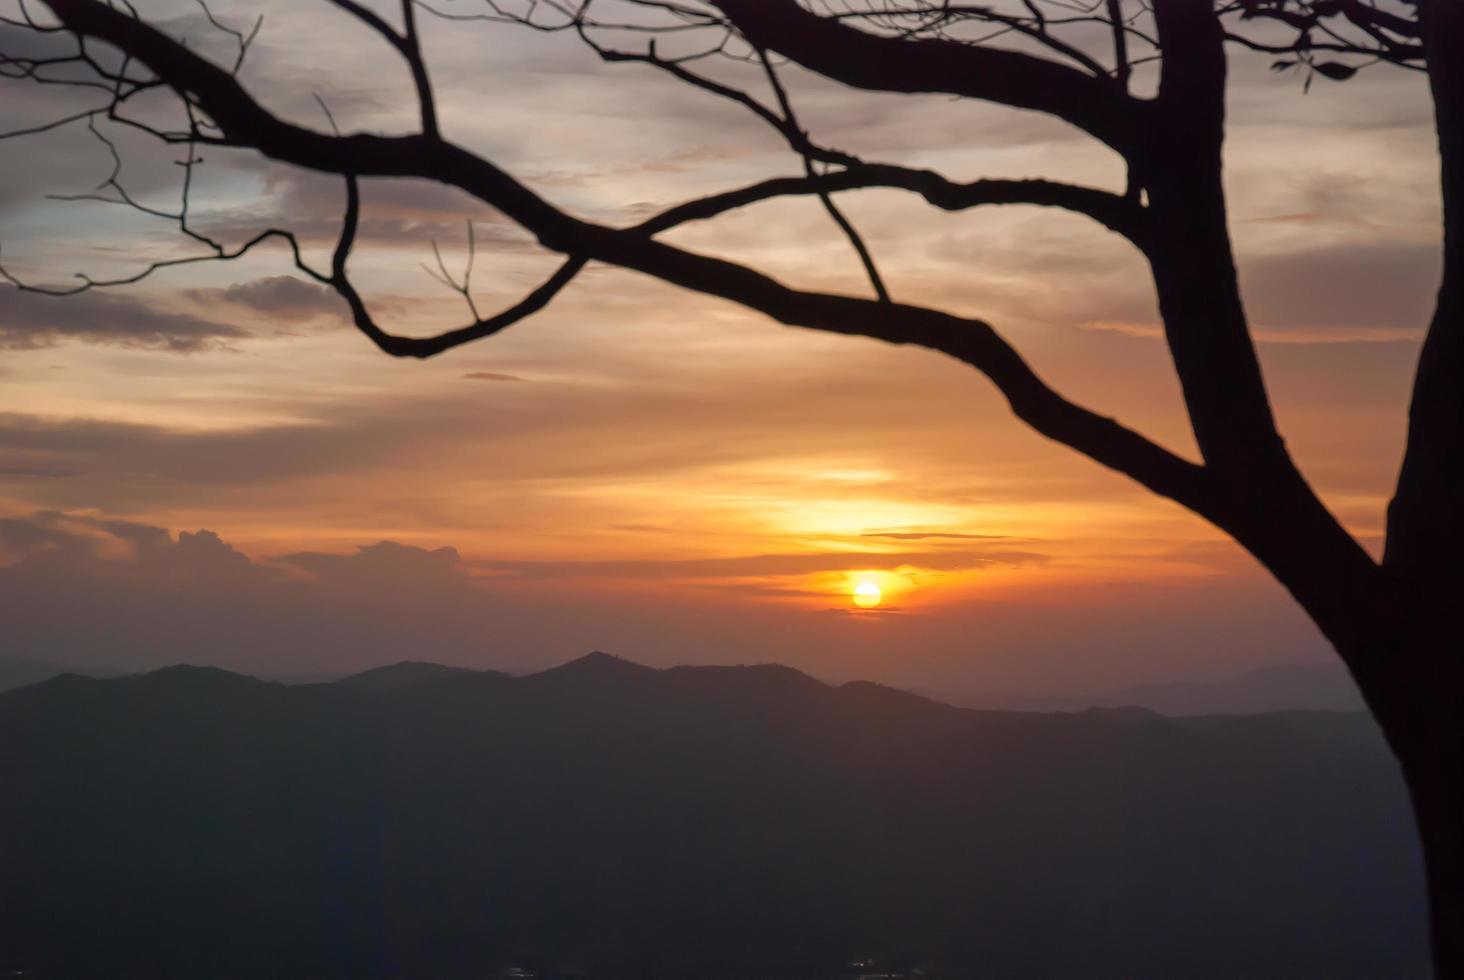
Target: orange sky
(657, 473)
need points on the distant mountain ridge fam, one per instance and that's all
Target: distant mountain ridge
(1283, 687)
(408, 673)
(608, 820)
(22, 671)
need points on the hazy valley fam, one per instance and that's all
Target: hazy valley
(605, 819)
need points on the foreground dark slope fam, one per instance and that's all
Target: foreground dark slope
(604, 819)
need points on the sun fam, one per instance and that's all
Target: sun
(866, 595)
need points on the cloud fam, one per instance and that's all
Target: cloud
(101, 449)
(79, 588)
(85, 543)
(396, 212)
(278, 296)
(52, 543)
(924, 535)
(383, 563)
(23, 537)
(1386, 285)
(615, 426)
(490, 376)
(29, 321)
(752, 566)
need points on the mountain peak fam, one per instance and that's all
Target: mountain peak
(405, 674)
(600, 664)
(193, 675)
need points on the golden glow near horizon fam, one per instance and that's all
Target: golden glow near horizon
(866, 595)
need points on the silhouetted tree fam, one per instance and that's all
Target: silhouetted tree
(1395, 623)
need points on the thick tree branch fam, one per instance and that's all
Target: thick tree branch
(1367, 15)
(1116, 213)
(1095, 104)
(1199, 295)
(1426, 518)
(1281, 519)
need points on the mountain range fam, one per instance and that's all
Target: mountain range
(605, 819)
(1295, 686)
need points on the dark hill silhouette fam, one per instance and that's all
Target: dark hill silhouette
(597, 667)
(23, 671)
(188, 679)
(605, 819)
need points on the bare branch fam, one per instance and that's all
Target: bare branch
(408, 45)
(412, 50)
(423, 347)
(860, 248)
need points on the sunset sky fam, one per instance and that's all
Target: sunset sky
(214, 467)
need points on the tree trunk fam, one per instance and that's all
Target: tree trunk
(1426, 527)
(1419, 701)
(1436, 785)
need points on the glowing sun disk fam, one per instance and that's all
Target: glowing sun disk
(866, 595)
